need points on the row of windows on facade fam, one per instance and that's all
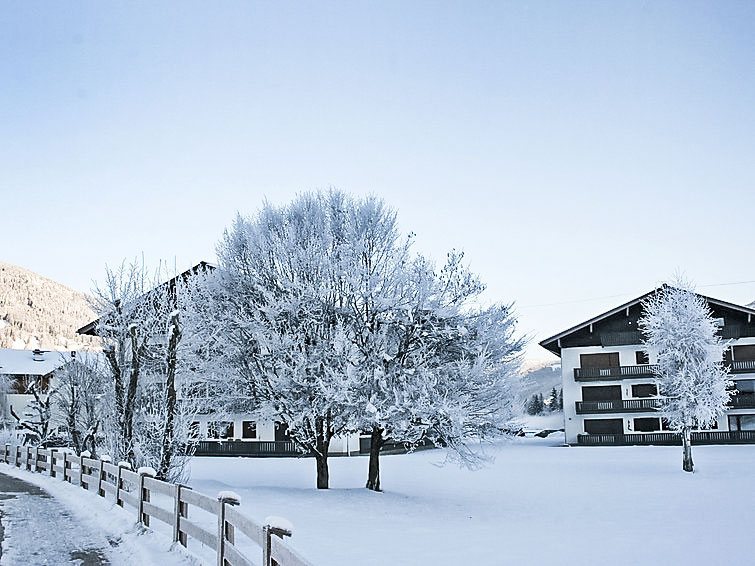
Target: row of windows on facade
(611, 359)
(742, 387)
(656, 424)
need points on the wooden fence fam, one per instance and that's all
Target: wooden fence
(126, 487)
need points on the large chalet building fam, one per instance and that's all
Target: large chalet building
(611, 396)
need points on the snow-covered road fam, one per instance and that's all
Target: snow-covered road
(38, 530)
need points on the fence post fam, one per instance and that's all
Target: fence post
(51, 460)
(180, 509)
(65, 467)
(225, 530)
(6, 453)
(143, 495)
(267, 533)
(15, 455)
(36, 459)
(119, 482)
(82, 468)
(27, 463)
(99, 479)
(103, 475)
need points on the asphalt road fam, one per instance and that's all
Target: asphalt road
(36, 530)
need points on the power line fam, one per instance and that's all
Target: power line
(587, 300)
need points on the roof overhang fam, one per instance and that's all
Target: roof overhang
(552, 344)
(91, 328)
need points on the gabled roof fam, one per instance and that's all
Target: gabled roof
(91, 328)
(548, 343)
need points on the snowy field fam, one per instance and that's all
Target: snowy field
(538, 503)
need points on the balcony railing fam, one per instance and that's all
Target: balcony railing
(258, 448)
(618, 406)
(614, 373)
(667, 438)
(744, 366)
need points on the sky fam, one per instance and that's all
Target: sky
(579, 153)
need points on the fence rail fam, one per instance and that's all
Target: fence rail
(135, 489)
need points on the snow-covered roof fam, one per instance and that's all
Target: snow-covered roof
(548, 343)
(24, 362)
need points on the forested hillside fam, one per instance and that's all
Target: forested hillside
(36, 312)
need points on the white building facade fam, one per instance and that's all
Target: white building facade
(20, 368)
(611, 396)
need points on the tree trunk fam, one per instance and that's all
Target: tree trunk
(323, 476)
(687, 464)
(133, 381)
(322, 445)
(168, 444)
(373, 475)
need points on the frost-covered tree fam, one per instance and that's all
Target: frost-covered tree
(124, 327)
(140, 327)
(330, 325)
(38, 427)
(77, 398)
(680, 331)
(424, 366)
(280, 313)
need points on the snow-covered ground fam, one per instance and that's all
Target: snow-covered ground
(538, 503)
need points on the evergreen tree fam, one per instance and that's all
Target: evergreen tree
(553, 401)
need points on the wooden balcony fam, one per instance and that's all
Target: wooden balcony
(667, 438)
(618, 406)
(613, 374)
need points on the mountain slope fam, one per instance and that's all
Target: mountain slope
(36, 312)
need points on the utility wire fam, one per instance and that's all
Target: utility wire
(621, 295)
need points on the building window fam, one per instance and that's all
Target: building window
(609, 360)
(248, 429)
(21, 383)
(601, 393)
(220, 429)
(604, 426)
(642, 358)
(647, 424)
(194, 430)
(741, 422)
(645, 390)
(744, 353)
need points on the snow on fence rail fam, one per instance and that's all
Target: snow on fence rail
(136, 489)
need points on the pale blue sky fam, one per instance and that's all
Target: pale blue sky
(574, 150)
